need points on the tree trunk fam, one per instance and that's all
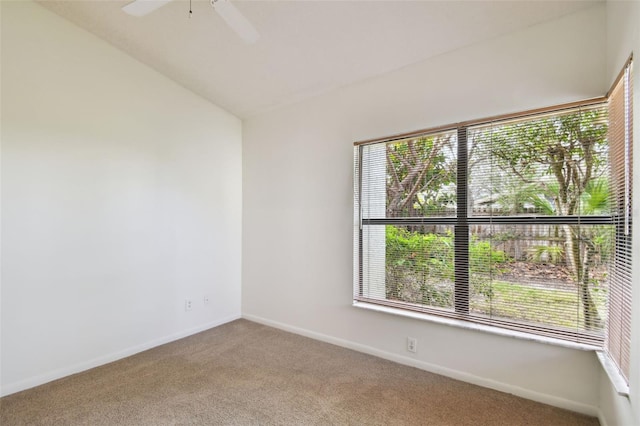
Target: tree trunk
(581, 269)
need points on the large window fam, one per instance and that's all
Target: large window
(511, 222)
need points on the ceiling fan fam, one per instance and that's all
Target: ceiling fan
(227, 11)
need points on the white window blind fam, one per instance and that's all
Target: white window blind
(506, 223)
(618, 340)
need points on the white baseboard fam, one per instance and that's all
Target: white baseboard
(433, 368)
(602, 419)
(96, 362)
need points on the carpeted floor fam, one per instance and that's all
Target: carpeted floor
(243, 373)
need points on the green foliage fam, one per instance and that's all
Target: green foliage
(513, 196)
(420, 267)
(543, 198)
(543, 254)
(483, 257)
(430, 253)
(595, 199)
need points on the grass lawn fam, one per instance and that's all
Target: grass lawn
(538, 305)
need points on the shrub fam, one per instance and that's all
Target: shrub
(420, 267)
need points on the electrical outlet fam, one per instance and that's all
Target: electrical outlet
(188, 304)
(412, 344)
(206, 299)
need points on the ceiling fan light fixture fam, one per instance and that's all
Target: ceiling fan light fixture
(227, 11)
(236, 21)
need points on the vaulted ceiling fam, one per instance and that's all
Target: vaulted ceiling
(305, 47)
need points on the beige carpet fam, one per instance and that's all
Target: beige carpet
(243, 373)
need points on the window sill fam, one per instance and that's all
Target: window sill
(617, 380)
(477, 327)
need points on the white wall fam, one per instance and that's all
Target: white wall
(121, 197)
(297, 202)
(623, 38)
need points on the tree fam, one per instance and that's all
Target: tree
(565, 157)
(417, 171)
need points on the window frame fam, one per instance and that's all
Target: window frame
(461, 223)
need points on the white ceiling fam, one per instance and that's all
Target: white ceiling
(306, 47)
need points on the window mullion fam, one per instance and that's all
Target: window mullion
(461, 229)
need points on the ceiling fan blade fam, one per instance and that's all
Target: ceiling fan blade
(144, 7)
(235, 20)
